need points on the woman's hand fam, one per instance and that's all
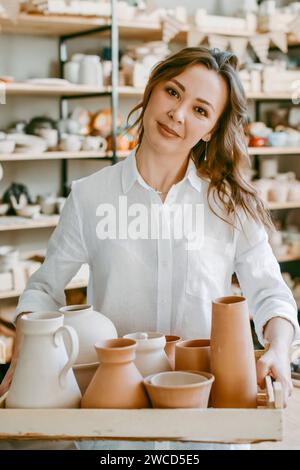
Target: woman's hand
(5, 384)
(276, 363)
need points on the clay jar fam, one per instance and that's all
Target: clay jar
(43, 377)
(171, 341)
(91, 327)
(117, 382)
(232, 354)
(150, 353)
(193, 355)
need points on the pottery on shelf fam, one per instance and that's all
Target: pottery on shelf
(171, 341)
(31, 210)
(151, 357)
(117, 382)
(232, 354)
(43, 377)
(91, 327)
(193, 355)
(186, 390)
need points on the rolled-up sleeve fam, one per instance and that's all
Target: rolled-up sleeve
(66, 253)
(260, 279)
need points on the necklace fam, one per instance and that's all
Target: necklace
(156, 190)
(150, 185)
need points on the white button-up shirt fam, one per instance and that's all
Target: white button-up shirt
(156, 284)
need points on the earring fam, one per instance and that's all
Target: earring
(205, 154)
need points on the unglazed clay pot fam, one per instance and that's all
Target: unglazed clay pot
(193, 354)
(232, 355)
(150, 353)
(117, 382)
(171, 341)
(179, 392)
(91, 327)
(43, 377)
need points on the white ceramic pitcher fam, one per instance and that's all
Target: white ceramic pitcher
(43, 377)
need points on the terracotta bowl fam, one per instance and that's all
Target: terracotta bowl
(179, 391)
(84, 374)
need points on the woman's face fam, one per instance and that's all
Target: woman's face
(189, 104)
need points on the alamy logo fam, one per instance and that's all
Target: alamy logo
(159, 221)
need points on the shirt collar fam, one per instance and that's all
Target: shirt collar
(130, 174)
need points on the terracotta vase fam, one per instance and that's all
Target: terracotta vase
(43, 377)
(193, 355)
(171, 341)
(91, 327)
(232, 355)
(150, 352)
(117, 382)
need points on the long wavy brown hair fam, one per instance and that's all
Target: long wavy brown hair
(226, 153)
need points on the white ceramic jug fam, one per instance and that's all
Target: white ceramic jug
(151, 357)
(44, 377)
(91, 327)
(90, 71)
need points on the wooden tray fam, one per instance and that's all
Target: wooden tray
(264, 423)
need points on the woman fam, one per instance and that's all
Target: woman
(191, 152)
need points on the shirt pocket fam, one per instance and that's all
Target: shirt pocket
(209, 268)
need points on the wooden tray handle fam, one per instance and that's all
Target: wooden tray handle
(2, 400)
(274, 393)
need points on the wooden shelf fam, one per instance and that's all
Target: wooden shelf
(54, 25)
(269, 96)
(284, 205)
(287, 258)
(30, 89)
(274, 150)
(14, 293)
(14, 157)
(8, 223)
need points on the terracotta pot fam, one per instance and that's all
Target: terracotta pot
(150, 353)
(193, 355)
(117, 382)
(43, 377)
(91, 327)
(232, 355)
(84, 374)
(184, 395)
(171, 341)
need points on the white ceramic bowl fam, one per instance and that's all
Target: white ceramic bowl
(7, 146)
(176, 379)
(3, 208)
(29, 211)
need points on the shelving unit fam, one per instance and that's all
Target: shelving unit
(58, 155)
(15, 293)
(8, 223)
(274, 150)
(67, 28)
